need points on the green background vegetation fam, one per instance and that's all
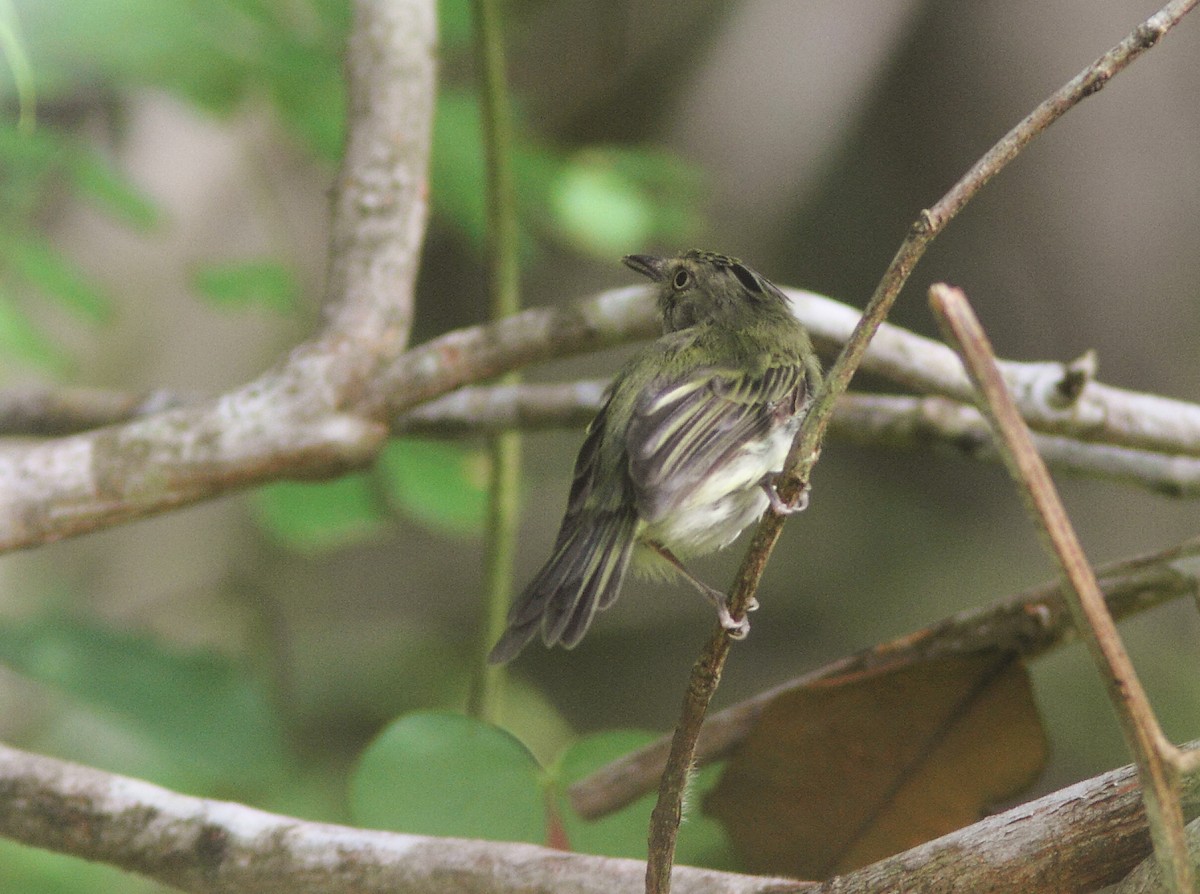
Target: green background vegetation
(300, 647)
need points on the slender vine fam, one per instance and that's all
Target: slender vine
(487, 681)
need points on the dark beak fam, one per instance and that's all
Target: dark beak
(647, 265)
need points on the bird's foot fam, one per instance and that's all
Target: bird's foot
(781, 508)
(735, 629)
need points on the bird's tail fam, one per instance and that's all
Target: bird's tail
(583, 576)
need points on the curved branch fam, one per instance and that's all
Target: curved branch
(68, 499)
(316, 412)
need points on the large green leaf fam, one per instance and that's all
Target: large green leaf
(200, 708)
(441, 484)
(320, 515)
(445, 774)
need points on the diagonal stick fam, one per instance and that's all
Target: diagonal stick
(1153, 754)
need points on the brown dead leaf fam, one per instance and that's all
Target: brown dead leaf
(848, 771)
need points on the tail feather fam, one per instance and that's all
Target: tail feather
(584, 573)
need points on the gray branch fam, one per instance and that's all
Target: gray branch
(894, 421)
(321, 410)
(205, 846)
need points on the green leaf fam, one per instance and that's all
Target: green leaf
(199, 707)
(110, 191)
(319, 516)
(620, 834)
(607, 200)
(441, 484)
(242, 284)
(599, 210)
(455, 26)
(35, 261)
(444, 774)
(23, 341)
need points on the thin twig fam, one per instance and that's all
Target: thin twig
(487, 679)
(1030, 624)
(1143, 736)
(706, 673)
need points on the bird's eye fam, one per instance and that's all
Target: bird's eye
(682, 278)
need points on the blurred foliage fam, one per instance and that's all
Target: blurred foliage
(287, 56)
(441, 485)
(435, 773)
(32, 871)
(208, 715)
(198, 720)
(264, 283)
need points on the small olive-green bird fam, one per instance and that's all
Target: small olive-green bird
(684, 450)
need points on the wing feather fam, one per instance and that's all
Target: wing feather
(683, 430)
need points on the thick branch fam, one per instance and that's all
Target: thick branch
(1049, 845)
(380, 199)
(68, 486)
(1055, 398)
(316, 412)
(204, 846)
(200, 845)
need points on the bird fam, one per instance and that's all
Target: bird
(684, 450)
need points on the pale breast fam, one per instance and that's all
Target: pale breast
(716, 511)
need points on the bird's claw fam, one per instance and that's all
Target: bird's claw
(735, 629)
(776, 501)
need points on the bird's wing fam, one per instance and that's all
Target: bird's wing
(683, 430)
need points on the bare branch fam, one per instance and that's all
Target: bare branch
(1144, 737)
(1048, 846)
(52, 412)
(917, 422)
(380, 199)
(1054, 398)
(205, 846)
(482, 352)
(72, 485)
(1147, 877)
(887, 420)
